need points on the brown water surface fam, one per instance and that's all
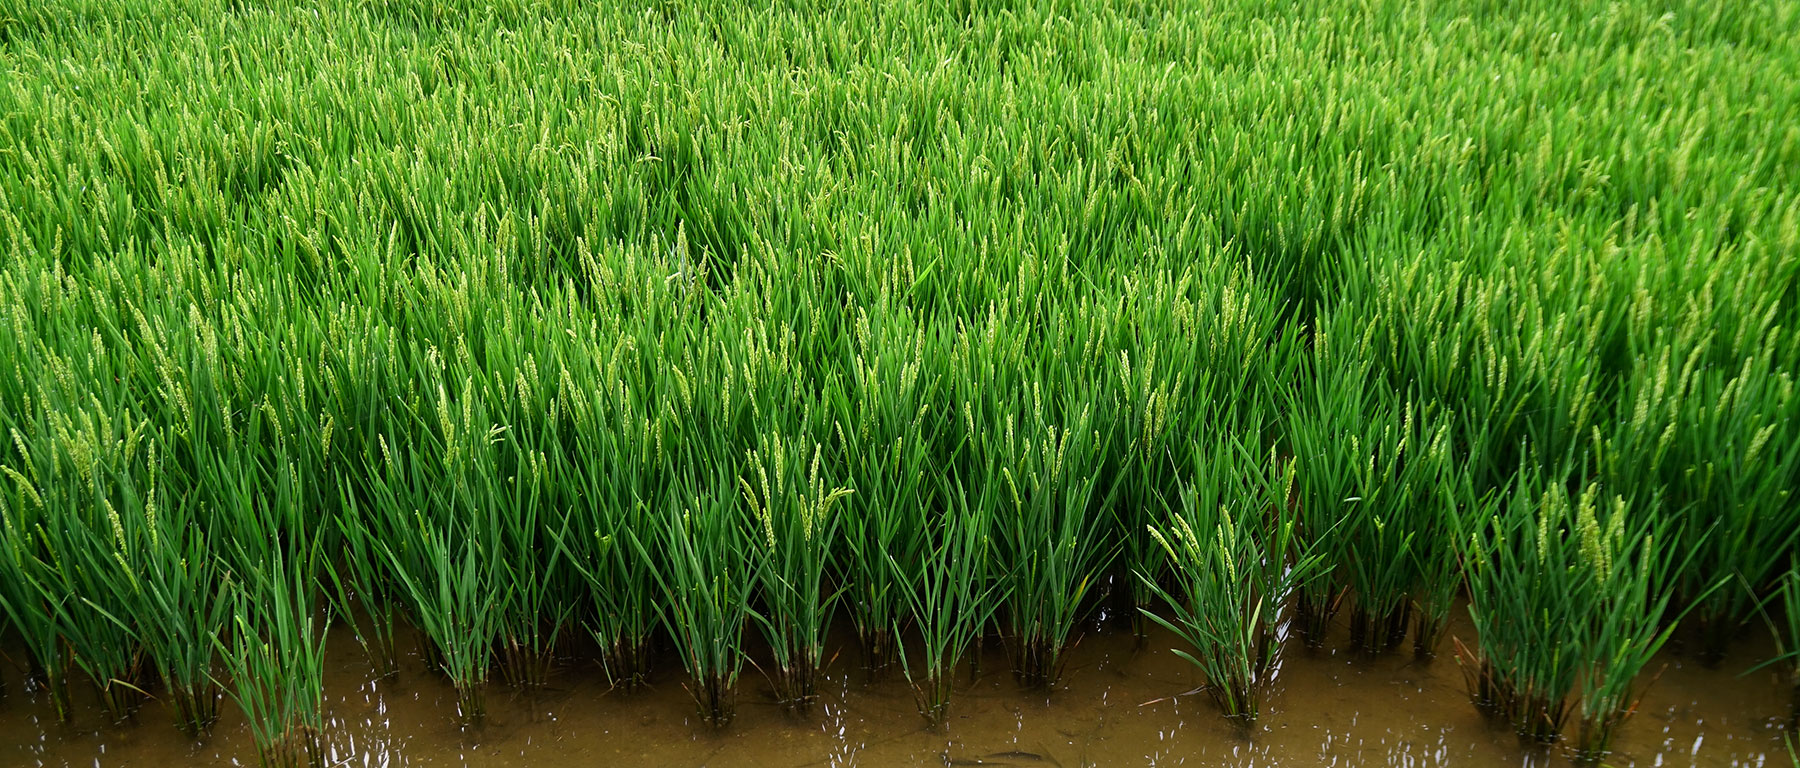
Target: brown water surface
(1118, 705)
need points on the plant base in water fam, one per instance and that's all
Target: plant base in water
(1428, 633)
(384, 657)
(523, 666)
(1240, 701)
(1539, 720)
(1594, 740)
(431, 654)
(1036, 663)
(1491, 696)
(1374, 635)
(716, 700)
(1312, 618)
(879, 654)
(471, 703)
(298, 748)
(196, 707)
(1396, 625)
(934, 699)
(797, 686)
(121, 700)
(627, 663)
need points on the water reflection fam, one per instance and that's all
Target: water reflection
(1120, 705)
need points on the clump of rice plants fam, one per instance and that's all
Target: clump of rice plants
(363, 596)
(1441, 576)
(441, 541)
(1152, 417)
(598, 533)
(1371, 470)
(609, 473)
(622, 615)
(891, 421)
(797, 530)
(23, 577)
(1567, 600)
(951, 598)
(1197, 347)
(534, 575)
(533, 579)
(708, 569)
(1051, 533)
(183, 607)
(1629, 623)
(99, 475)
(1235, 564)
(447, 574)
(1716, 443)
(275, 652)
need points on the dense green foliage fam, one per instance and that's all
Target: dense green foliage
(508, 320)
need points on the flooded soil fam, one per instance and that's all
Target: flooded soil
(1118, 705)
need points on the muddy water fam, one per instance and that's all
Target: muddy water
(1118, 705)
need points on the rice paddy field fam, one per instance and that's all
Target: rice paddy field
(1377, 382)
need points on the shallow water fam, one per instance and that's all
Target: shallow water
(1118, 705)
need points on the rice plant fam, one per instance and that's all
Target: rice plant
(891, 424)
(275, 652)
(22, 596)
(798, 526)
(448, 584)
(445, 552)
(598, 536)
(1513, 562)
(363, 596)
(1375, 466)
(1051, 535)
(1713, 442)
(951, 599)
(1446, 510)
(1236, 565)
(609, 472)
(97, 466)
(1787, 635)
(182, 606)
(1567, 599)
(533, 577)
(710, 567)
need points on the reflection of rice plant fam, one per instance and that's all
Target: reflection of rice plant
(1236, 565)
